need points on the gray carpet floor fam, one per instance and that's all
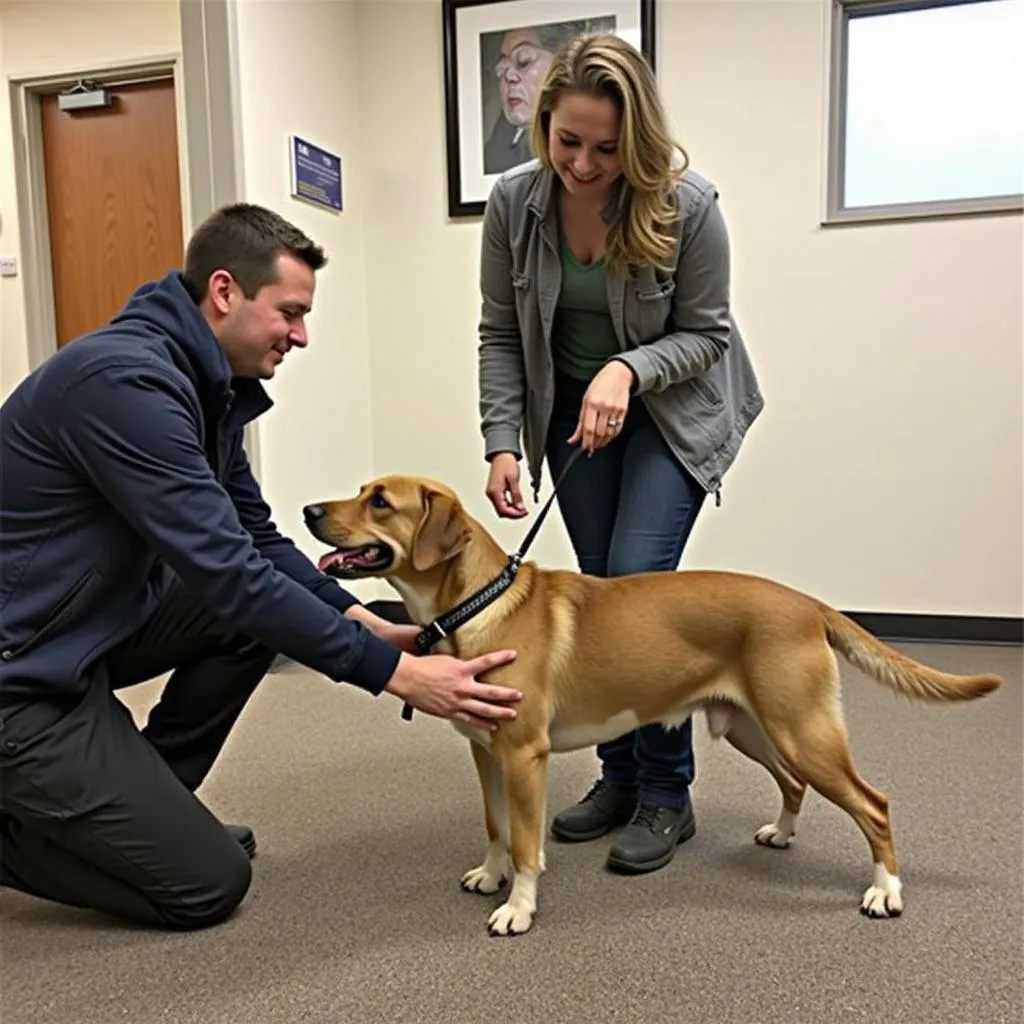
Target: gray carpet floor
(365, 824)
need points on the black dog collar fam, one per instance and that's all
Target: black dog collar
(458, 616)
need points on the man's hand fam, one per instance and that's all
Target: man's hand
(447, 688)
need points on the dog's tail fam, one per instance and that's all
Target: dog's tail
(904, 675)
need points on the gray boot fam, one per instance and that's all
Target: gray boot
(607, 806)
(650, 840)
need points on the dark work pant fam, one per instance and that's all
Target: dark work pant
(629, 507)
(96, 813)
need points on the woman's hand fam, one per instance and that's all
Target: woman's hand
(604, 406)
(503, 487)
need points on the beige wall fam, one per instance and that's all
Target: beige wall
(317, 440)
(886, 472)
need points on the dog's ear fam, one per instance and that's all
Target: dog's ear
(441, 534)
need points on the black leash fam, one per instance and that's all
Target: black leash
(458, 616)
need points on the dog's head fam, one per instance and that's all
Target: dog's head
(395, 525)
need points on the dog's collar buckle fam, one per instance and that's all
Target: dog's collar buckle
(433, 634)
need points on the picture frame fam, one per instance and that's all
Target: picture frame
(495, 55)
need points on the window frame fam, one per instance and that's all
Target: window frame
(835, 211)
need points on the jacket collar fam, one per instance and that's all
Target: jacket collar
(211, 371)
(251, 399)
(166, 307)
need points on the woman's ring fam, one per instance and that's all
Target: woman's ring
(613, 423)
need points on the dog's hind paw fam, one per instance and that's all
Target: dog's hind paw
(483, 880)
(510, 920)
(885, 897)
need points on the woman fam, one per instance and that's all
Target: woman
(606, 324)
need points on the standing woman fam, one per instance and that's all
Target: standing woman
(606, 324)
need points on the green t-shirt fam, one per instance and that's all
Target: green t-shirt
(583, 336)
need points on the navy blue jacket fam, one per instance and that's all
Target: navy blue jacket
(121, 456)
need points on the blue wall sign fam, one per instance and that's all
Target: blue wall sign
(316, 174)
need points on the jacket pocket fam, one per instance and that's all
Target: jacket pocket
(706, 392)
(651, 316)
(662, 290)
(63, 612)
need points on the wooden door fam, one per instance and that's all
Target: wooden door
(114, 201)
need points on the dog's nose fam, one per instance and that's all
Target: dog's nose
(313, 513)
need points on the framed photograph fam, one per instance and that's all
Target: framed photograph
(496, 54)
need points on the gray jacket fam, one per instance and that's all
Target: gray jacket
(675, 329)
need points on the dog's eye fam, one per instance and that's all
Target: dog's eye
(379, 501)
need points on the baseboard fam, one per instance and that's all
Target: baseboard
(942, 629)
(939, 629)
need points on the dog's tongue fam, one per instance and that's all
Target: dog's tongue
(331, 559)
(342, 559)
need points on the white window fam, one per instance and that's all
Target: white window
(927, 108)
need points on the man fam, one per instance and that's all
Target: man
(134, 541)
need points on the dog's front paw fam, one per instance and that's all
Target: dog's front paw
(779, 834)
(483, 880)
(512, 918)
(771, 836)
(885, 897)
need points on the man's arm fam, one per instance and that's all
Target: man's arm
(134, 435)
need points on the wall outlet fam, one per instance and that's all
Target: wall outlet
(8, 266)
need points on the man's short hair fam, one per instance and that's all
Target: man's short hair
(245, 240)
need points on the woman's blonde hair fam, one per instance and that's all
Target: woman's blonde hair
(604, 65)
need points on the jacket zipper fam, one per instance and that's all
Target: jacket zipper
(213, 446)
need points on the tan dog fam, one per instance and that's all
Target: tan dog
(599, 657)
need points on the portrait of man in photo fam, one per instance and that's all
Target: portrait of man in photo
(514, 62)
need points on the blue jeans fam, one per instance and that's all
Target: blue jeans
(629, 507)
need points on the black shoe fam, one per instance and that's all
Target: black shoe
(650, 840)
(605, 807)
(245, 837)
